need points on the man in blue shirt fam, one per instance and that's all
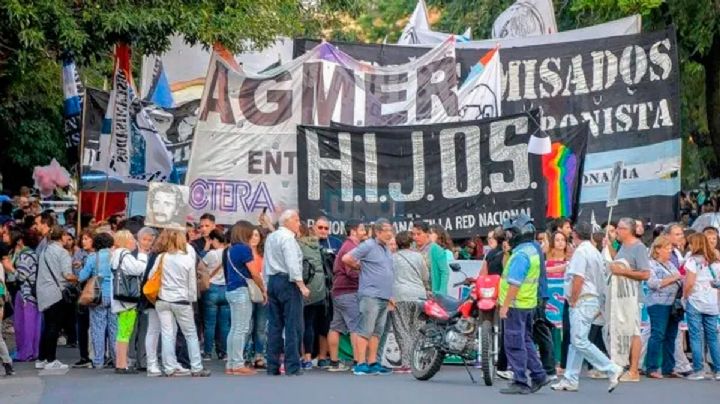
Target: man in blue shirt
(374, 260)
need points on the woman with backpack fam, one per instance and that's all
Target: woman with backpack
(102, 319)
(27, 319)
(129, 270)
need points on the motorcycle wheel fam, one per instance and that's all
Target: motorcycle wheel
(426, 358)
(486, 354)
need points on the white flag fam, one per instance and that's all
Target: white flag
(526, 18)
(418, 22)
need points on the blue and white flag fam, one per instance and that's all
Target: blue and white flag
(131, 149)
(160, 92)
(73, 92)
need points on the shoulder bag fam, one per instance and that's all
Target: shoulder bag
(676, 309)
(126, 288)
(256, 295)
(92, 292)
(203, 278)
(70, 293)
(151, 289)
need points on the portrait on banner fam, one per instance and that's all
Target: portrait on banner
(167, 206)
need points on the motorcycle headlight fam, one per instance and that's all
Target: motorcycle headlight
(487, 293)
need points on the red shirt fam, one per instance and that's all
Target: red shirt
(345, 280)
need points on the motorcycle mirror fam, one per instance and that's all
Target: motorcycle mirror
(455, 267)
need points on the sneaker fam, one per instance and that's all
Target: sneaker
(538, 384)
(596, 374)
(40, 364)
(403, 370)
(323, 363)
(552, 378)
(182, 372)
(222, 356)
(206, 357)
(201, 373)
(338, 367)
(362, 369)
(126, 371)
(9, 371)
(696, 376)
(379, 369)
(306, 365)
(505, 374)
(564, 385)
(717, 376)
(56, 365)
(515, 388)
(82, 364)
(154, 373)
(614, 378)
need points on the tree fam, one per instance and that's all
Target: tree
(34, 36)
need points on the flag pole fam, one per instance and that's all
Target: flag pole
(112, 133)
(81, 151)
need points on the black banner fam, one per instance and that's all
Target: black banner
(626, 88)
(467, 176)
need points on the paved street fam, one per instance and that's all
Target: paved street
(451, 385)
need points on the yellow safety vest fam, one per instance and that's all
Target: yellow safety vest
(526, 297)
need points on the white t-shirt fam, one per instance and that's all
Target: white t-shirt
(703, 296)
(213, 259)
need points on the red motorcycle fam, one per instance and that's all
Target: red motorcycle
(459, 327)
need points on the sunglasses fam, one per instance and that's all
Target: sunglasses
(323, 228)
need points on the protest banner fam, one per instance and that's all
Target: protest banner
(625, 87)
(467, 176)
(247, 122)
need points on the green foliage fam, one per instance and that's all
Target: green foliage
(34, 35)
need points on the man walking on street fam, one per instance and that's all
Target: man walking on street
(286, 290)
(584, 293)
(517, 300)
(634, 252)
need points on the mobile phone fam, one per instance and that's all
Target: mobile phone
(264, 210)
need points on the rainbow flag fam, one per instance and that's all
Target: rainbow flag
(560, 169)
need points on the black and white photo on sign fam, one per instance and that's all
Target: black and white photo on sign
(167, 205)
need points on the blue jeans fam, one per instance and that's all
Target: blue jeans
(520, 348)
(216, 314)
(581, 318)
(663, 331)
(702, 327)
(240, 313)
(285, 314)
(259, 329)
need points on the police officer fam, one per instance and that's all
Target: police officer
(517, 300)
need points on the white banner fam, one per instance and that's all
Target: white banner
(244, 151)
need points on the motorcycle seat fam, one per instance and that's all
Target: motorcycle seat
(450, 304)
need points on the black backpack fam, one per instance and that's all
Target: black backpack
(308, 271)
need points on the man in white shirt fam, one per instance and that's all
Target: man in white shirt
(584, 293)
(286, 290)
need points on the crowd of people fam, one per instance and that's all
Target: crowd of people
(277, 297)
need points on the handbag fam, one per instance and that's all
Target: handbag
(126, 288)
(676, 308)
(256, 295)
(203, 279)
(70, 293)
(92, 292)
(151, 289)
